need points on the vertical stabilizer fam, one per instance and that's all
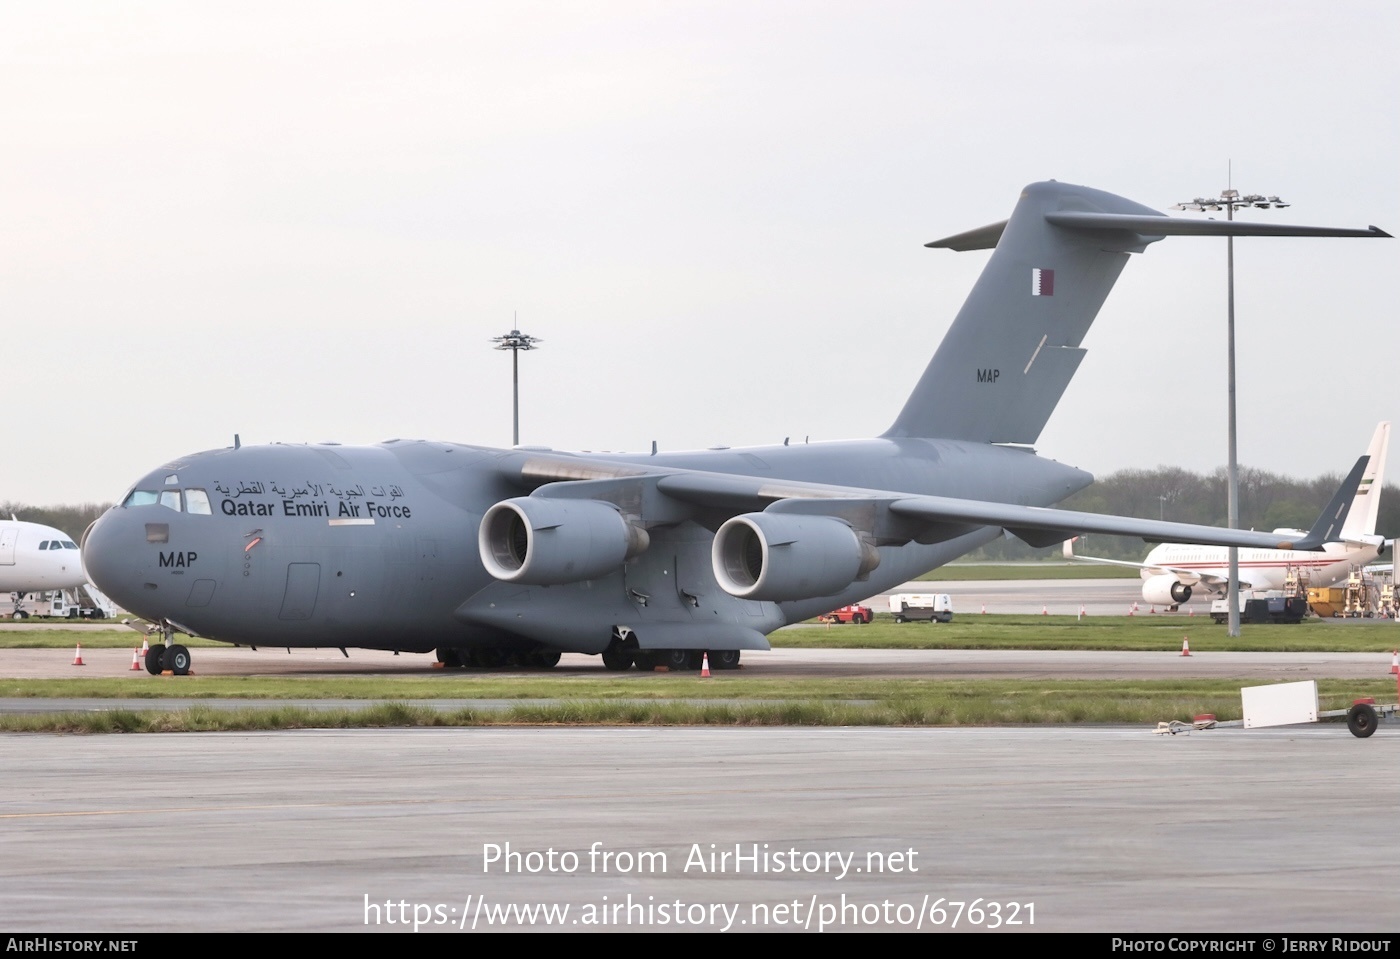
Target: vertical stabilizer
(1014, 346)
(1365, 507)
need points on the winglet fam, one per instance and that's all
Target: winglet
(1329, 525)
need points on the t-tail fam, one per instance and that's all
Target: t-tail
(1014, 346)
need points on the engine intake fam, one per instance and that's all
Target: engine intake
(781, 556)
(1165, 589)
(548, 542)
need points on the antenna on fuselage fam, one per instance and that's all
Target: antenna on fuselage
(236, 441)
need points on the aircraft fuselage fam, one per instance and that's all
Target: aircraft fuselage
(377, 547)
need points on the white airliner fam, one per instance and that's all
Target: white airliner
(1173, 571)
(35, 558)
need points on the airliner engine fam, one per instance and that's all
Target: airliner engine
(783, 556)
(538, 541)
(1165, 589)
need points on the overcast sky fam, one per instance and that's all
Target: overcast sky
(304, 221)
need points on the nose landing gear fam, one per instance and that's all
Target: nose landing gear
(168, 656)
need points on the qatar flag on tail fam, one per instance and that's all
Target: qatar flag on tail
(1042, 282)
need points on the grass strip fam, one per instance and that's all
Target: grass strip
(931, 703)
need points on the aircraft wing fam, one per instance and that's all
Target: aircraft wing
(1189, 577)
(657, 495)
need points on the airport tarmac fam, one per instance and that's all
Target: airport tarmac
(1099, 829)
(777, 663)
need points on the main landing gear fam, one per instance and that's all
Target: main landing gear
(493, 658)
(624, 652)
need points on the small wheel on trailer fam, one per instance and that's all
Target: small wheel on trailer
(1361, 720)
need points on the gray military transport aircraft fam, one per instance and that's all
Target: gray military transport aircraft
(496, 556)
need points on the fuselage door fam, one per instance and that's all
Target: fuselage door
(8, 538)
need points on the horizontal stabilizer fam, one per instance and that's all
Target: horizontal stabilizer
(1163, 225)
(982, 238)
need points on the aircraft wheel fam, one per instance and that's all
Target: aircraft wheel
(645, 660)
(543, 659)
(450, 658)
(177, 660)
(617, 659)
(490, 658)
(675, 659)
(724, 658)
(155, 660)
(1361, 720)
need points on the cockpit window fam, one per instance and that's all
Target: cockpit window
(44, 544)
(197, 501)
(141, 497)
(170, 499)
(69, 544)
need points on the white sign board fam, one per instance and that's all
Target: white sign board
(1281, 704)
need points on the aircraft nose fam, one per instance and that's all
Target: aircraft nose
(111, 556)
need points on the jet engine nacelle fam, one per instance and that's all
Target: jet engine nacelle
(538, 541)
(1165, 589)
(785, 556)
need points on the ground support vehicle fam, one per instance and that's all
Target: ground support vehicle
(934, 607)
(854, 613)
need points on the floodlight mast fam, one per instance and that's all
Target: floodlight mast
(1228, 200)
(515, 341)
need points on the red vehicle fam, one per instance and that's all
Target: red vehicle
(849, 614)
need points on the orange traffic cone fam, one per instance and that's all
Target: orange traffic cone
(1395, 661)
(984, 609)
(705, 665)
(1132, 610)
(135, 660)
(78, 656)
(1191, 611)
(1153, 610)
(1185, 646)
(1044, 611)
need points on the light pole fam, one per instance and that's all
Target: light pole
(515, 341)
(1228, 200)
